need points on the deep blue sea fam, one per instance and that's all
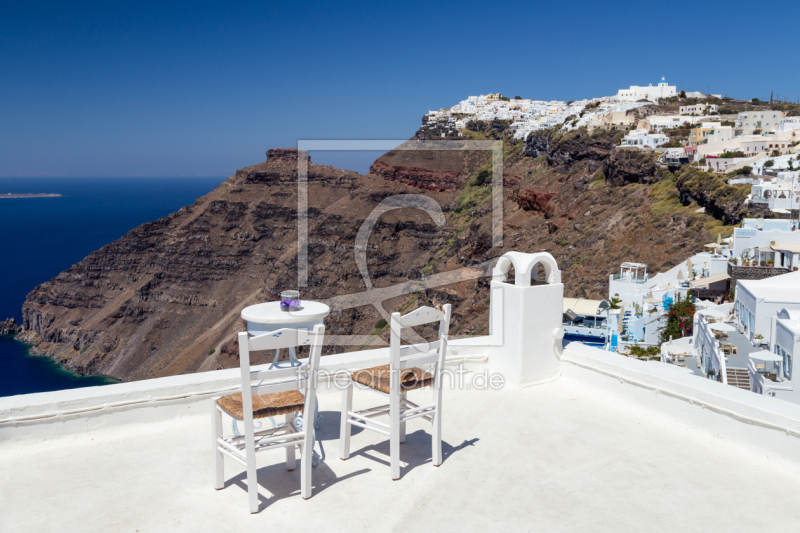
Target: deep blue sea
(40, 237)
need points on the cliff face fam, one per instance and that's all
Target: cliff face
(158, 300)
(576, 146)
(723, 201)
(429, 180)
(166, 298)
(624, 166)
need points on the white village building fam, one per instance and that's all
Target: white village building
(636, 93)
(698, 109)
(644, 139)
(759, 300)
(698, 94)
(787, 124)
(776, 192)
(764, 121)
(759, 236)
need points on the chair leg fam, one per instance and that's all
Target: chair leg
(402, 424)
(394, 434)
(290, 460)
(305, 460)
(216, 432)
(436, 438)
(344, 431)
(252, 477)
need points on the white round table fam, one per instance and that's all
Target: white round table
(268, 317)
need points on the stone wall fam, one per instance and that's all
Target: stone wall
(753, 272)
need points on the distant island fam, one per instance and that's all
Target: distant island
(29, 195)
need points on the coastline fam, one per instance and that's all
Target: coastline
(40, 243)
(28, 372)
(29, 195)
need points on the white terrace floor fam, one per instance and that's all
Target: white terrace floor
(570, 455)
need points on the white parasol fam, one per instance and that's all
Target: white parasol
(721, 326)
(765, 355)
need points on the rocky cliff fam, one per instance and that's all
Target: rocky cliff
(165, 298)
(10, 327)
(723, 201)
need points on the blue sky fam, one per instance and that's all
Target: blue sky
(200, 88)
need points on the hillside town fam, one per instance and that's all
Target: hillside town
(709, 131)
(730, 313)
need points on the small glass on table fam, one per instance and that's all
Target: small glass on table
(290, 300)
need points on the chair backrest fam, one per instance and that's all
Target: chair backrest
(404, 357)
(301, 377)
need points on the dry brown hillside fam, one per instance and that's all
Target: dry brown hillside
(165, 298)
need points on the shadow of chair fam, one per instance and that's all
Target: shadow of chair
(281, 483)
(414, 452)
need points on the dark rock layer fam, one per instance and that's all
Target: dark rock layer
(630, 166)
(429, 180)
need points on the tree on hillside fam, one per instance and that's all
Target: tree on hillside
(683, 94)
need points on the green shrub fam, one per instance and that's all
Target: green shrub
(638, 351)
(739, 171)
(211, 351)
(483, 176)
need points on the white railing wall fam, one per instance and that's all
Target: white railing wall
(49, 414)
(706, 343)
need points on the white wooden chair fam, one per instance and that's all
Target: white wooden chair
(395, 380)
(281, 391)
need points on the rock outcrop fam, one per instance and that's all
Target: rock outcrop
(531, 200)
(723, 201)
(290, 155)
(630, 166)
(575, 146)
(537, 144)
(9, 326)
(429, 180)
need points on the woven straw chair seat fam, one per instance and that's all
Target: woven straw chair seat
(377, 378)
(274, 404)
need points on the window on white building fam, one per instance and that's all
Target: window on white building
(787, 362)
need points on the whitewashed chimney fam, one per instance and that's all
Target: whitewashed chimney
(526, 319)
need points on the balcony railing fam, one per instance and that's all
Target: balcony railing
(589, 325)
(628, 279)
